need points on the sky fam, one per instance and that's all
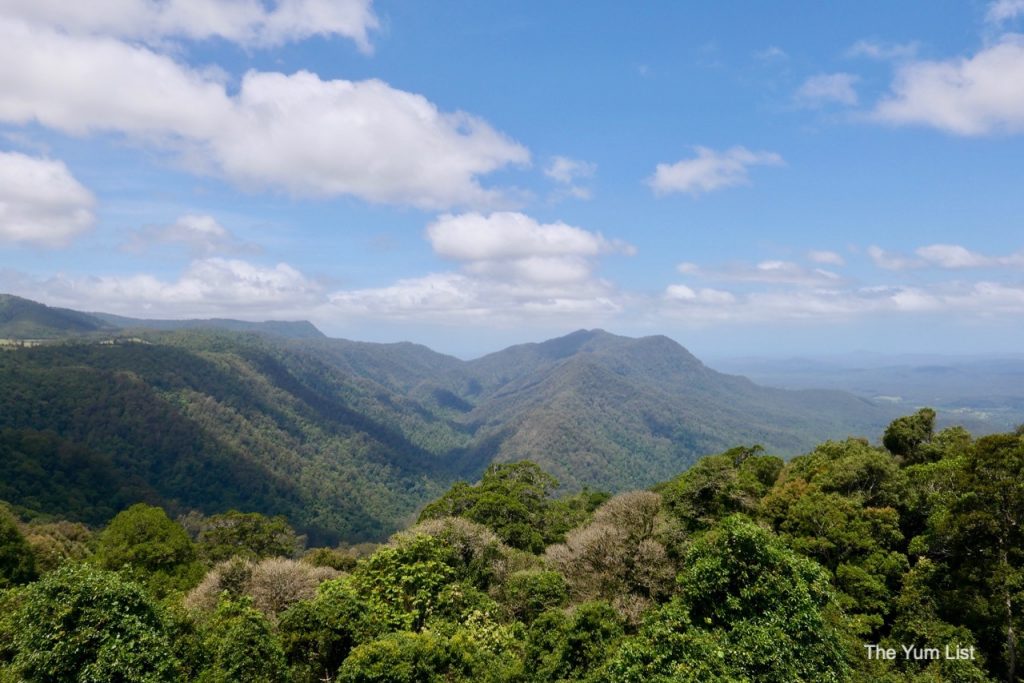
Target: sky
(747, 178)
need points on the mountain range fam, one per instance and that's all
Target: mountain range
(348, 439)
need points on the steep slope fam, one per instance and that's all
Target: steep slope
(616, 412)
(211, 421)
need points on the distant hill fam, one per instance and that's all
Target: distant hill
(985, 393)
(599, 409)
(349, 438)
(291, 329)
(25, 319)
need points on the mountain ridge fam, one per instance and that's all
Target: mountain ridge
(349, 438)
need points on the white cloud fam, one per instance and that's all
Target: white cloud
(460, 298)
(512, 267)
(565, 170)
(200, 234)
(890, 261)
(975, 95)
(295, 132)
(946, 256)
(1002, 11)
(771, 53)
(511, 235)
(766, 272)
(882, 51)
(208, 287)
(710, 170)
(826, 257)
(41, 203)
(952, 256)
(247, 22)
(703, 295)
(965, 301)
(828, 88)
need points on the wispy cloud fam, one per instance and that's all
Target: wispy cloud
(567, 172)
(826, 257)
(199, 234)
(252, 24)
(1004, 10)
(943, 256)
(766, 272)
(710, 170)
(871, 49)
(824, 89)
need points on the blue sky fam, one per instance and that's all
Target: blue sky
(747, 178)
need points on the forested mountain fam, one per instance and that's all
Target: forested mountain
(292, 329)
(348, 439)
(25, 319)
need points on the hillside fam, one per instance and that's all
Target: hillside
(349, 438)
(291, 329)
(211, 421)
(598, 409)
(25, 319)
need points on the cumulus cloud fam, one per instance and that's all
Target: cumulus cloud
(200, 234)
(976, 95)
(297, 132)
(247, 22)
(828, 88)
(511, 267)
(511, 235)
(41, 203)
(208, 287)
(710, 170)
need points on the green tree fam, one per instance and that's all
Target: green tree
(144, 542)
(978, 536)
(17, 562)
(512, 499)
(247, 534)
(87, 625)
(572, 646)
(750, 609)
(241, 646)
(719, 485)
(906, 436)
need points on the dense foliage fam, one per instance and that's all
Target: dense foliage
(348, 440)
(743, 568)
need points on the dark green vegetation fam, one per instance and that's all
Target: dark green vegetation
(741, 569)
(348, 439)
